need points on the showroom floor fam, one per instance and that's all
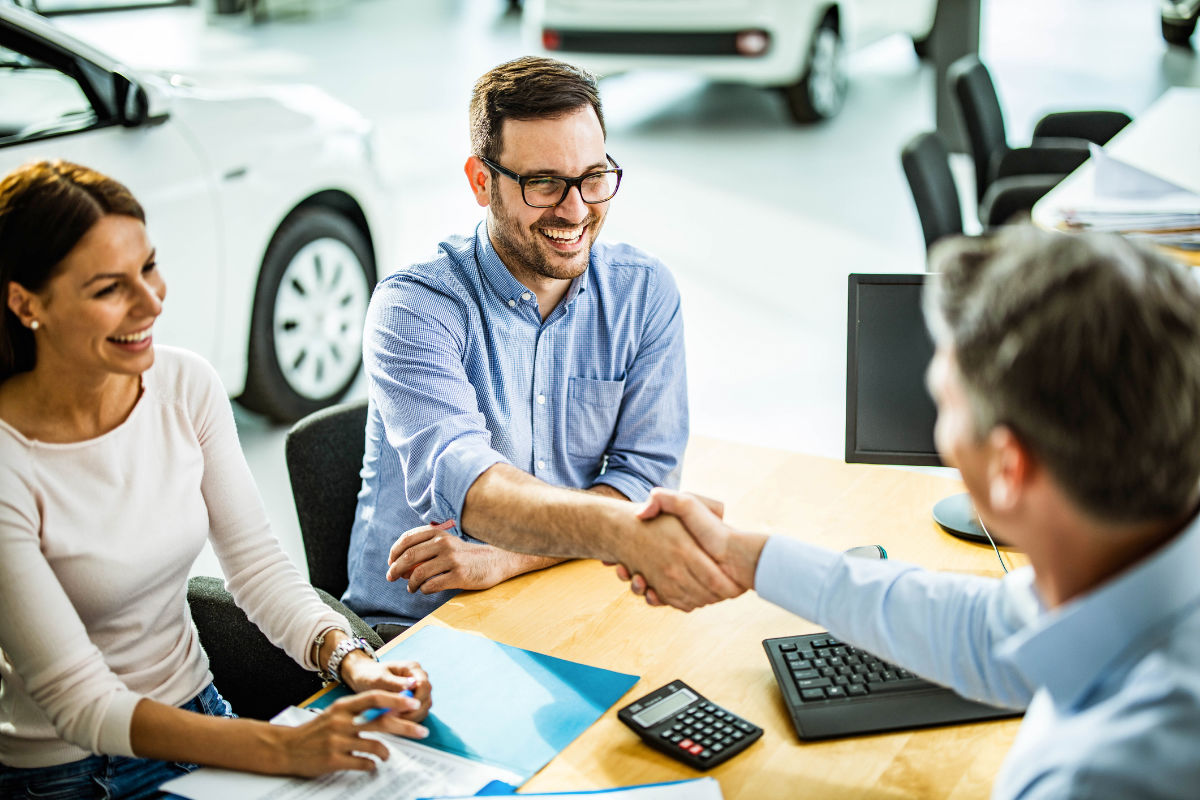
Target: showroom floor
(760, 220)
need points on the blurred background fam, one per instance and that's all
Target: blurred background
(759, 218)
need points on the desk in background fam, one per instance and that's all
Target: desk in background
(580, 611)
(1162, 140)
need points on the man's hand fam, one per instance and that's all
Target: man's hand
(685, 576)
(736, 553)
(434, 560)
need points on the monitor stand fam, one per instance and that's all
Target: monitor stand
(956, 516)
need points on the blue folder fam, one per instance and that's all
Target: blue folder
(502, 705)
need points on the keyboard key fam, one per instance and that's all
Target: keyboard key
(812, 683)
(856, 690)
(887, 687)
(828, 672)
(787, 646)
(805, 674)
(804, 663)
(792, 656)
(835, 691)
(811, 694)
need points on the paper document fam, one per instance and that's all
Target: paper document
(697, 789)
(1126, 199)
(497, 703)
(412, 770)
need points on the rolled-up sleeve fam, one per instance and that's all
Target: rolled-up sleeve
(413, 349)
(652, 427)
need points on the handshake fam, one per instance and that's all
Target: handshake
(688, 557)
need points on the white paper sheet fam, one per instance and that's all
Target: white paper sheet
(411, 771)
(698, 789)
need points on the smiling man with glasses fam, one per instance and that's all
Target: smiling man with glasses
(526, 383)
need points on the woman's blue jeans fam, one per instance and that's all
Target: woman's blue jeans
(106, 777)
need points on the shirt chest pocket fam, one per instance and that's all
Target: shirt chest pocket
(592, 408)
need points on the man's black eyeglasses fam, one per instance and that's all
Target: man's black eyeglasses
(547, 191)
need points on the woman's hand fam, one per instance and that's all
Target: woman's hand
(362, 673)
(334, 741)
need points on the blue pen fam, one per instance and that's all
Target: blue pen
(375, 713)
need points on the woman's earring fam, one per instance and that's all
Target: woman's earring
(34, 325)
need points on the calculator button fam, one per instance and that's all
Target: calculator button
(705, 754)
(666, 735)
(738, 736)
(678, 726)
(812, 694)
(676, 738)
(728, 740)
(717, 747)
(686, 744)
(709, 707)
(746, 726)
(695, 749)
(708, 731)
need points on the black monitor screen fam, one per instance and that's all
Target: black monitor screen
(889, 413)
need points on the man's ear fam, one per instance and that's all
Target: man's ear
(1011, 467)
(479, 176)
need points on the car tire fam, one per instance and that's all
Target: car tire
(1178, 32)
(305, 345)
(821, 89)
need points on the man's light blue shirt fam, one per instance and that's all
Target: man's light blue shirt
(1110, 681)
(463, 374)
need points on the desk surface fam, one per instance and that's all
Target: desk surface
(581, 612)
(1161, 141)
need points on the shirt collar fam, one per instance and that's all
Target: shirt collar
(1070, 649)
(502, 282)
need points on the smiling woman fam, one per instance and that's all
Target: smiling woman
(118, 461)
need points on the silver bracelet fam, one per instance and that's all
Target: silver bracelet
(317, 644)
(347, 646)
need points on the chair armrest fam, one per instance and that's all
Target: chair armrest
(1092, 126)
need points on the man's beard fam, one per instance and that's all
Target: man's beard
(519, 249)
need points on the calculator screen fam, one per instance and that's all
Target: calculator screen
(664, 708)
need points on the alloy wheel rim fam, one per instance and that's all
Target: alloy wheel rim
(828, 74)
(319, 308)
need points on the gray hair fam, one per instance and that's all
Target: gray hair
(1088, 348)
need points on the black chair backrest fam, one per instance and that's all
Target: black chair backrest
(927, 167)
(972, 87)
(324, 454)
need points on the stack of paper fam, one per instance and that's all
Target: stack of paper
(1136, 203)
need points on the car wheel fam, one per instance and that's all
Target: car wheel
(306, 330)
(821, 90)
(1178, 31)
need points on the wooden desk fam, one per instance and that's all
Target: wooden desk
(1161, 141)
(580, 611)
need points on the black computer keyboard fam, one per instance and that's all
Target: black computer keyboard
(832, 689)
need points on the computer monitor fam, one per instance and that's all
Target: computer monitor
(889, 412)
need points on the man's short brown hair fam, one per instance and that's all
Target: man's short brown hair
(527, 88)
(1088, 348)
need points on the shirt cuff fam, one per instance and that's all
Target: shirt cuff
(458, 467)
(115, 737)
(791, 574)
(635, 488)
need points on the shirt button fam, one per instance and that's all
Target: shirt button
(512, 303)
(541, 398)
(525, 296)
(541, 464)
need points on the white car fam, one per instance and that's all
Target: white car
(266, 210)
(796, 45)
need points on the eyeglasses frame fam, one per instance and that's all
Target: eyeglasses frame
(571, 182)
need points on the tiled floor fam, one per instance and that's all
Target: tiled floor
(760, 220)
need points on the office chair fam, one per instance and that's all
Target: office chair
(324, 453)
(1060, 140)
(926, 163)
(256, 677)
